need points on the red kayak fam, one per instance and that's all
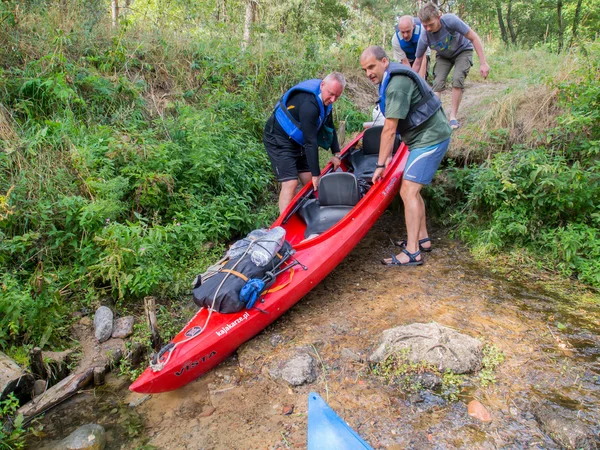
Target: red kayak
(322, 231)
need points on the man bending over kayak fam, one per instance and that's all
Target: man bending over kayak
(412, 109)
(301, 116)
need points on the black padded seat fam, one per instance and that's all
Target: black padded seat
(338, 193)
(364, 160)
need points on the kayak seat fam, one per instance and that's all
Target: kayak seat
(338, 193)
(364, 160)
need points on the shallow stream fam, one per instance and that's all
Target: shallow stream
(549, 337)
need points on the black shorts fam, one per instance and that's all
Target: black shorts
(287, 158)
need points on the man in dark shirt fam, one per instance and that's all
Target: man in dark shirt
(290, 135)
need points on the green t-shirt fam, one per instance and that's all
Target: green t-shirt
(400, 95)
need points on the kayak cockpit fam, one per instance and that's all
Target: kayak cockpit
(339, 192)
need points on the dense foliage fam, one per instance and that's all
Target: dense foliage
(130, 148)
(128, 160)
(543, 198)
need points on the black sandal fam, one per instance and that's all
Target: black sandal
(421, 241)
(412, 259)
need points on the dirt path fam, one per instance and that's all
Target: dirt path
(550, 344)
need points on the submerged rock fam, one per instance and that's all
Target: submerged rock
(89, 437)
(478, 411)
(434, 344)
(563, 426)
(103, 323)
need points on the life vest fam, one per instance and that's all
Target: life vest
(410, 47)
(289, 124)
(419, 113)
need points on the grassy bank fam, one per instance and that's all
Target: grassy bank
(129, 158)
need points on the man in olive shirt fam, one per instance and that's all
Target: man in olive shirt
(411, 108)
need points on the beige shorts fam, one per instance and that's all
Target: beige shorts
(462, 64)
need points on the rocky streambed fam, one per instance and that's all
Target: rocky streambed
(536, 384)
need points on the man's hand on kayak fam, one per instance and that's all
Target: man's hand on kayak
(315, 182)
(377, 174)
(336, 161)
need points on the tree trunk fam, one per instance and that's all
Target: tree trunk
(249, 22)
(561, 30)
(14, 380)
(513, 35)
(114, 9)
(576, 21)
(501, 23)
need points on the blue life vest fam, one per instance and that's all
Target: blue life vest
(410, 47)
(419, 113)
(290, 125)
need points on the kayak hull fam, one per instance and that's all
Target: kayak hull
(202, 344)
(328, 431)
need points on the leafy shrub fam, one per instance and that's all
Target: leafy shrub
(545, 199)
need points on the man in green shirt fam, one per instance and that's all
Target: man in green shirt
(412, 109)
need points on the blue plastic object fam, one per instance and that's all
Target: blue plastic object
(327, 430)
(251, 291)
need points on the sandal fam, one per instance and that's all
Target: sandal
(454, 124)
(421, 242)
(412, 259)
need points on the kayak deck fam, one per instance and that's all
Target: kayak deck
(210, 337)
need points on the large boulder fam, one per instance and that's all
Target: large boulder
(433, 344)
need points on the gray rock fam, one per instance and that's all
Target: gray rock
(103, 323)
(123, 327)
(564, 427)
(39, 387)
(349, 355)
(276, 339)
(434, 344)
(299, 370)
(89, 437)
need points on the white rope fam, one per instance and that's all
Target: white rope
(158, 366)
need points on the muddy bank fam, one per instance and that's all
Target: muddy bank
(550, 346)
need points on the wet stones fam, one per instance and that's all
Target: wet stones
(434, 344)
(476, 410)
(103, 323)
(563, 426)
(88, 437)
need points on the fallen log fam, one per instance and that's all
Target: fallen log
(57, 394)
(15, 380)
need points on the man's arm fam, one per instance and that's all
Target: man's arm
(399, 54)
(417, 65)
(484, 69)
(308, 116)
(420, 54)
(423, 68)
(388, 135)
